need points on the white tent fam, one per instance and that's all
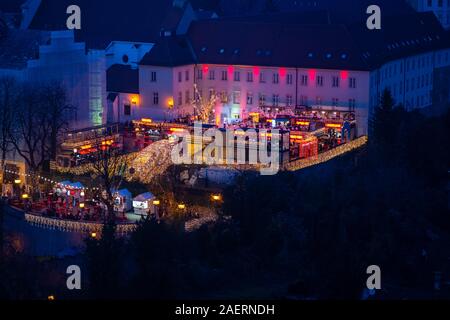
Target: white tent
(143, 203)
(123, 200)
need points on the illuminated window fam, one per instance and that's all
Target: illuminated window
(223, 97)
(236, 97)
(249, 98)
(289, 100)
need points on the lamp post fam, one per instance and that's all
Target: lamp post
(182, 208)
(217, 201)
(156, 203)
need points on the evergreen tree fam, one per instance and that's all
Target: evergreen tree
(103, 260)
(383, 123)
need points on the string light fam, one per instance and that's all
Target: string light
(327, 155)
(76, 226)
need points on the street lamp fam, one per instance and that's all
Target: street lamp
(17, 181)
(181, 206)
(156, 202)
(81, 205)
(25, 196)
(93, 235)
(216, 197)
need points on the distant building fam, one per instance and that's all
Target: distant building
(278, 63)
(441, 9)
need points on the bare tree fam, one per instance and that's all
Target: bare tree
(28, 134)
(8, 100)
(109, 164)
(57, 114)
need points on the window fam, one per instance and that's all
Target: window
(318, 101)
(289, 79)
(211, 93)
(276, 78)
(304, 80)
(223, 97)
(186, 75)
(275, 100)
(289, 100)
(153, 76)
(303, 100)
(224, 75)
(249, 76)
(180, 77)
(237, 76)
(249, 98)
(262, 99)
(199, 74)
(335, 82)
(155, 98)
(211, 75)
(127, 109)
(262, 77)
(236, 97)
(352, 83)
(187, 97)
(335, 102)
(180, 98)
(352, 104)
(319, 81)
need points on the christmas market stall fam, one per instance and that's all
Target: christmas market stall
(143, 204)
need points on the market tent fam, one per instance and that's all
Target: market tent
(124, 193)
(144, 197)
(126, 199)
(77, 185)
(65, 183)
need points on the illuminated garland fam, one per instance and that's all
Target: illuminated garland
(75, 226)
(327, 155)
(49, 180)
